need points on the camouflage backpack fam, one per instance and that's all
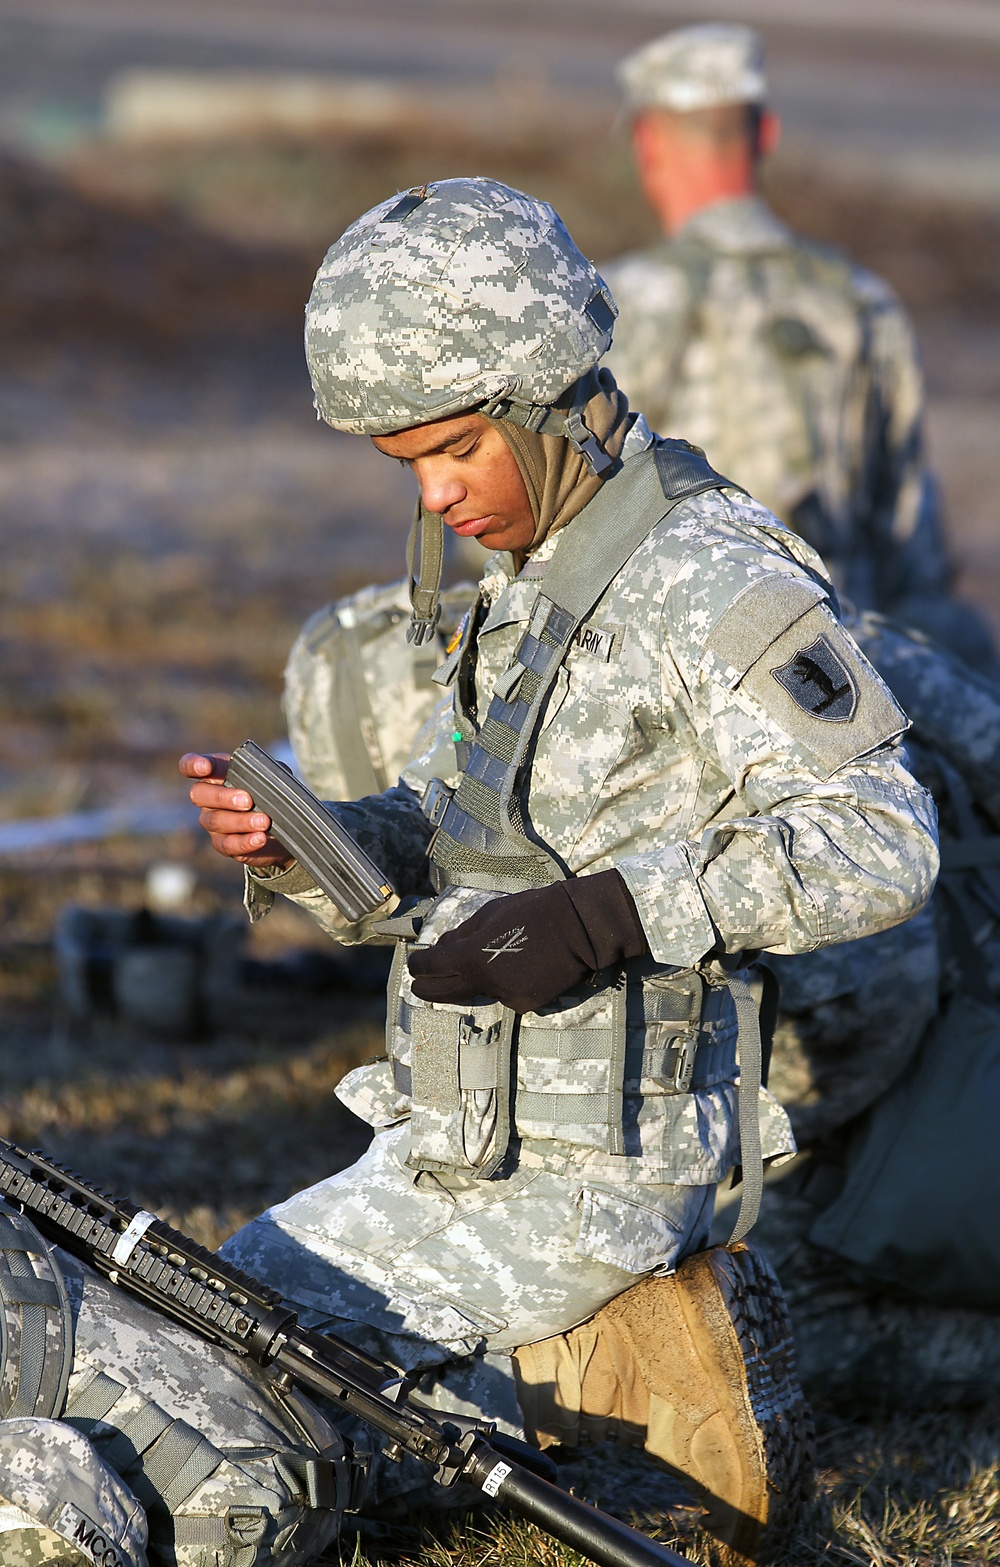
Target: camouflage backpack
(914, 1208)
(763, 364)
(357, 692)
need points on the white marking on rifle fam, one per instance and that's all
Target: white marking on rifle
(513, 941)
(127, 1242)
(495, 1479)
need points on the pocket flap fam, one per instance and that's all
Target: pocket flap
(625, 1234)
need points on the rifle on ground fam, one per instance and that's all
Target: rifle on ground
(176, 1276)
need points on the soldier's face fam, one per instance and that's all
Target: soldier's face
(467, 473)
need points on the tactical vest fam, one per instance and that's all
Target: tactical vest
(459, 1066)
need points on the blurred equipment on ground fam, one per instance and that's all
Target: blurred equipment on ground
(190, 978)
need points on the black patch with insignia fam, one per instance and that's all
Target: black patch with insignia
(818, 681)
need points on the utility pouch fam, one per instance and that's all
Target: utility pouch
(460, 1065)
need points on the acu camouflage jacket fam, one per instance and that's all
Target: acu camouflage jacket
(716, 736)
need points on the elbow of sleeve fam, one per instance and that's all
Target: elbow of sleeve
(914, 866)
(927, 862)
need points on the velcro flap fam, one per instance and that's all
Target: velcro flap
(477, 1066)
(753, 620)
(435, 1059)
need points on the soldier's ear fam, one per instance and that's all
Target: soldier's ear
(768, 133)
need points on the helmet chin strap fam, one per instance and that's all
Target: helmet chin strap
(427, 534)
(546, 419)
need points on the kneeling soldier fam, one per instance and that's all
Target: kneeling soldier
(661, 751)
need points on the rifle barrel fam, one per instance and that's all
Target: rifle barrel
(593, 1533)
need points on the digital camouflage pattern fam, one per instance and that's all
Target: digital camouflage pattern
(695, 68)
(737, 812)
(60, 1504)
(427, 1272)
(162, 1440)
(852, 1019)
(653, 727)
(616, 782)
(357, 690)
(853, 1015)
(219, 1459)
(457, 293)
(798, 374)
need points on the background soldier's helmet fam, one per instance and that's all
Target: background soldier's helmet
(460, 294)
(696, 68)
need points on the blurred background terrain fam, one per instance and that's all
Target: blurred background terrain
(171, 172)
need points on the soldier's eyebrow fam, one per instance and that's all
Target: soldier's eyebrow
(451, 440)
(444, 444)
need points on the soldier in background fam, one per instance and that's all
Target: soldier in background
(794, 368)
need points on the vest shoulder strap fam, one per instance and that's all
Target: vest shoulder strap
(604, 536)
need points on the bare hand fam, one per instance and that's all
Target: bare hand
(237, 831)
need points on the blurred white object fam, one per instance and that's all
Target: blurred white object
(149, 105)
(169, 886)
(128, 820)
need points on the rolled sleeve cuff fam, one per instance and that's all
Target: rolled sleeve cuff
(664, 886)
(259, 887)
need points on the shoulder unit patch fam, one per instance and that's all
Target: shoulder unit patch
(817, 680)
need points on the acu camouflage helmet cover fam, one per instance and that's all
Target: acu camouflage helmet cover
(460, 293)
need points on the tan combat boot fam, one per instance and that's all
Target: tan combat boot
(698, 1368)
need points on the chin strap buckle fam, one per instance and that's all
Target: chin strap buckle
(586, 443)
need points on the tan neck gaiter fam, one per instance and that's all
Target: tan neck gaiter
(557, 478)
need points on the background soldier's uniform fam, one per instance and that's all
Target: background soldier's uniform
(794, 369)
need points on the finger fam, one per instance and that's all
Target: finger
(450, 987)
(240, 845)
(204, 764)
(432, 960)
(216, 796)
(234, 822)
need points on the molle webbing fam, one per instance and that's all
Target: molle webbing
(483, 839)
(164, 1460)
(36, 1327)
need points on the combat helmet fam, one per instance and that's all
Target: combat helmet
(460, 294)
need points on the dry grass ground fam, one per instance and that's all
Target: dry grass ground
(171, 513)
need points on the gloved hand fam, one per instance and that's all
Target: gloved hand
(529, 947)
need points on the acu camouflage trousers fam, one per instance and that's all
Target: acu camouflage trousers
(446, 1276)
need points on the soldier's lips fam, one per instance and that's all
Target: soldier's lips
(474, 527)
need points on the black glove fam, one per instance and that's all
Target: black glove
(529, 947)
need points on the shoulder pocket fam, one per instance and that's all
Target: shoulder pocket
(816, 684)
